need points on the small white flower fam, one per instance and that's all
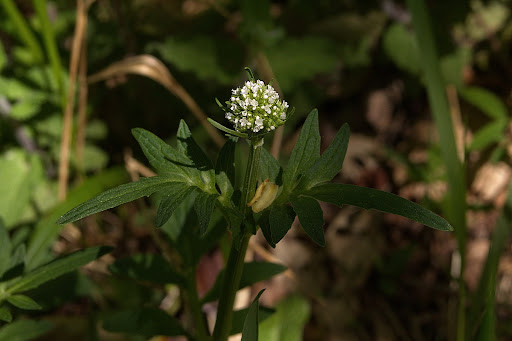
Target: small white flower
(256, 108)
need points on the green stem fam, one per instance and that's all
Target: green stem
(235, 264)
(200, 328)
(436, 90)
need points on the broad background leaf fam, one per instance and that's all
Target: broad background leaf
(287, 323)
(24, 330)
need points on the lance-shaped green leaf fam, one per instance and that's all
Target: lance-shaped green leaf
(226, 129)
(225, 168)
(23, 302)
(252, 273)
(239, 317)
(204, 205)
(5, 314)
(264, 224)
(174, 195)
(310, 217)
(270, 168)
(55, 269)
(146, 267)
(115, 197)
(24, 330)
(165, 159)
(189, 147)
(305, 152)
(329, 164)
(144, 321)
(281, 220)
(250, 330)
(369, 198)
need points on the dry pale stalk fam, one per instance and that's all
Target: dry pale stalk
(67, 124)
(151, 67)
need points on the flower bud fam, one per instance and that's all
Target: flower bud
(264, 196)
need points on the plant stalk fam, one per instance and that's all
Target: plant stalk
(456, 203)
(235, 264)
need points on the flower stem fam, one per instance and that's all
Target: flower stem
(235, 264)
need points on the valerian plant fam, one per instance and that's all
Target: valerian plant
(187, 177)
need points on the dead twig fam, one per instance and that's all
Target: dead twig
(151, 67)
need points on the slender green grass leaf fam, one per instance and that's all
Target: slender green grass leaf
(281, 220)
(204, 205)
(311, 217)
(145, 321)
(173, 197)
(146, 267)
(287, 323)
(46, 230)
(253, 272)
(55, 269)
(5, 314)
(270, 168)
(165, 159)
(225, 168)
(50, 44)
(456, 205)
(24, 330)
(305, 152)
(330, 163)
(115, 197)
(486, 101)
(483, 300)
(23, 302)
(369, 198)
(239, 318)
(250, 330)
(23, 30)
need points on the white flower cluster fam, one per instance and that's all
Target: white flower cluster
(256, 108)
